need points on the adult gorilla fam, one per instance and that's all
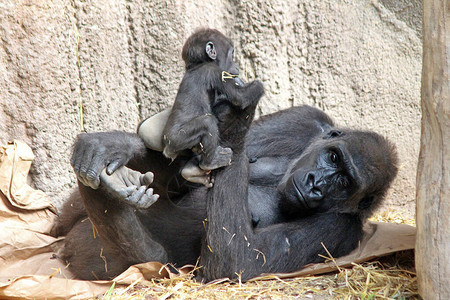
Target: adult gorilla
(295, 183)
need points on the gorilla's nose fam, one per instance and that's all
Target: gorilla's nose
(314, 189)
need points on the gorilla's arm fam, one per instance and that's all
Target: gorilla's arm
(239, 93)
(233, 248)
(287, 132)
(94, 152)
(128, 234)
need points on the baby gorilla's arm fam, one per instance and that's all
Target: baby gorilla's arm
(150, 131)
(130, 186)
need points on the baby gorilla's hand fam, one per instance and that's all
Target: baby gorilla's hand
(130, 186)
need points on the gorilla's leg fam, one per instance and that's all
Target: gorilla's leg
(121, 232)
(151, 130)
(88, 259)
(201, 135)
(73, 211)
(87, 256)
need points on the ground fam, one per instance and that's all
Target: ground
(390, 277)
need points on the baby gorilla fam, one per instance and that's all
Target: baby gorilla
(210, 79)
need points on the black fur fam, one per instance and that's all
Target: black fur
(309, 183)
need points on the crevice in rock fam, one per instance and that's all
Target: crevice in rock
(77, 27)
(132, 39)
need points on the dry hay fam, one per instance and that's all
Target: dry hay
(391, 277)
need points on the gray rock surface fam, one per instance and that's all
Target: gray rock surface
(120, 61)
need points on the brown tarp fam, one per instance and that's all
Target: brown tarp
(29, 268)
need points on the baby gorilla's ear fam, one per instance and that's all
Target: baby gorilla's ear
(211, 50)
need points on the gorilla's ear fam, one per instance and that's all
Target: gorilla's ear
(332, 134)
(211, 50)
(365, 202)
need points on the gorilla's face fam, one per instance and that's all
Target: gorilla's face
(325, 172)
(346, 171)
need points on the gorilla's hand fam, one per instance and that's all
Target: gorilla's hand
(249, 93)
(94, 152)
(130, 186)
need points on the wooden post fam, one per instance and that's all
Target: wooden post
(433, 172)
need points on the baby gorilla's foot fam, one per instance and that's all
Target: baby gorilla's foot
(192, 173)
(221, 158)
(130, 186)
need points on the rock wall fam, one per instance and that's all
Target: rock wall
(73, 66)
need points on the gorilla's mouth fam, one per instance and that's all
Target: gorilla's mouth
(301, 199)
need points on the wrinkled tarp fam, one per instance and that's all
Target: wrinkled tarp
(29, 268)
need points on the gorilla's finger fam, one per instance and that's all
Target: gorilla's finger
(130, 190)
(148, 202)
(82, 181)
(145, 198)
(114, 185)
(92, 179)
(78, 167)
(149, 192)
(147, 178)
(95, 168)
(148, 199)
(86, 161)
(109, 183)
(76, 161)
(93, 184)
(113, 166)
(132, 177)
(152, 196)
(85, 167)
(136, 196)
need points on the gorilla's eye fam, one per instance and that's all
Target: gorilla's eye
(333, 157)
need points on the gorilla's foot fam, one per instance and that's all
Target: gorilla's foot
(130, 186)
(192, 173)
(221, 158)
